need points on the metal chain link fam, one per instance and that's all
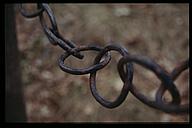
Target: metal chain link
(125, 67)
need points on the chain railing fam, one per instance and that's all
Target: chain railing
(124, 66)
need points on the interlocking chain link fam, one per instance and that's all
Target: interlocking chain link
(125, 67)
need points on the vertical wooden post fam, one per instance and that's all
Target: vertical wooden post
(14, 103)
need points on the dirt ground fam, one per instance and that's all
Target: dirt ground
(159, 31)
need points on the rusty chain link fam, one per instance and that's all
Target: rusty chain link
(125, 67)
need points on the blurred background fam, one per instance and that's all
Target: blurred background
(159, 31)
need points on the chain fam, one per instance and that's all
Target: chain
(125, 67)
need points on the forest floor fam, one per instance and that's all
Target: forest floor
(159, 31)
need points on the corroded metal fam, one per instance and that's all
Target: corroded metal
(125, 67)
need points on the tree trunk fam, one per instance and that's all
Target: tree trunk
(14, 102)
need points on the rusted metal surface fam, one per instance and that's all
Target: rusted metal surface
(125, 67)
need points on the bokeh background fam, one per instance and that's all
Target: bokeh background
(159, 31)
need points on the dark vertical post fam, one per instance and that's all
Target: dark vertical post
(14, 102)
